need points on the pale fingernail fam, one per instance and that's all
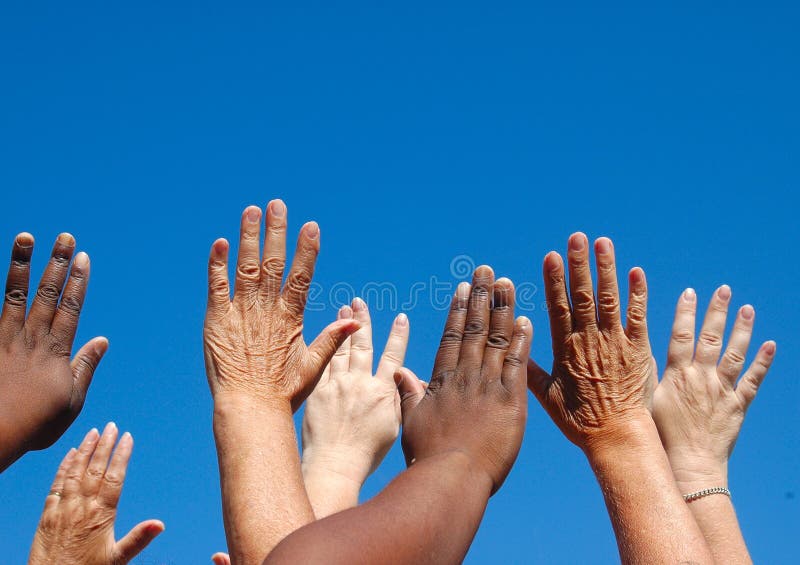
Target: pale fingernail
(253, 214)
(312, 230)
(345, 312)
(770, 347)
(462, 291)
(724, 292)
(81, 260)
(109, 428)
(402, 319)
(278, 208)
(689, 295)
(748, 312)
(523, 322)
(577, 241)
(359, 305)
(603, 246)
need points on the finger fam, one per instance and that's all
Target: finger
(361, 341)
(340, 363)
(137, 539)
(298, 281)
(248, 267)
(450, 345)
(732, 361)
(514, 375)
(681, 342)
(607, 288)
(219, 291)
(636, 315)
(555, 291)
(17, 281)
(709, 341)
(754, 376)
(501, 328)
(77, 468)
(220, 558)
(97, 466)
(323, 348)
(476, 328)
(57, 487)
(394, 354)
(111, 485)
(85, 363)
(410, 389)
(65, 322)
(539, 380)
(274, 262)
(584, 315)
(44, 304)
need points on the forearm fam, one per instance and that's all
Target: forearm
(329, 488)
(715, 514)
(651, 521)
(11, 447)
(428, 514)
(263, 497)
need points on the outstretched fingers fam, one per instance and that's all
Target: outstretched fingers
(110, 488)
(57, 487)
(555, 291)
(361, 341)
(394, 353)
(248, 265)
(274, 261)
(340, 362)
(501, 329)
(17, 282)
(709, 341)
(137, 539)
(77, 467)
(450, 345)
(514, 375)
(85, 363)
(732, 362)
(45, 303)
(298, 281)
(65, 322)
(584, 313)
(96, 469)
(636, 315)
(607, 288)
(748, 385)
(681, 342)
(219, 291)
(476, 327)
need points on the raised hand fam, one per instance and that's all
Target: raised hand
(475, 403)
(42, 391)
(77, 525)
(699, 408)
(352, 418)
(599, 393)
(254, 344)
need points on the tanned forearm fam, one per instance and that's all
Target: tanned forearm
(264, 499)
(651, 520)
(410, 521)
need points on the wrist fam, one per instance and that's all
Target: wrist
(340, 463)
(458, 463)
(626, 437)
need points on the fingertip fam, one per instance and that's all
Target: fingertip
(603, 246)
(100, 345)
(81, 261)
(66, 238)
(689, 296)
(769, 348)
(220, 247)
(156, 527)
(577, 241)
(311, 230)
(636, 276)
(462, 291)
(553, 261)
(24, 239)
(724, 292)
(345, 313)
(277, 208)
(747, 312)
(524, 324)
(359, 305)
(401, 320)
(483, 272)
(252, 214)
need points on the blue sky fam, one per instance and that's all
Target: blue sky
(413, 133)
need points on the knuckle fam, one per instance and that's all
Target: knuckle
(498, 340)
(58, 348)
(452, 335)
(636, 313)
(582, 297)
(514, 360)
(71, 305)
(710, 339)
(299, 281)
(607, 301)
(95, 473)
(248, 271)
(218, 286)
(17, 296)
(273, 266)
(474, 328)
(113, 480)
(48, 293)
(683, 336)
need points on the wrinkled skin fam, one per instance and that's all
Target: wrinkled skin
(254, 343)
(476, 402)
(698, 406)
(42, 391)
(603, 373)
(77, 525)
(352, 418)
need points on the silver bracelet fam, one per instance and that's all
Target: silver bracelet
(705, 492)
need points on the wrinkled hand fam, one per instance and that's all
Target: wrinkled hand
(352, 419)
(41, 390)
(476, 402)
(603, 373)
(77, 525)
(698, 406)
(254, 344)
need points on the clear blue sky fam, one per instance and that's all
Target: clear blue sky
(413, 134)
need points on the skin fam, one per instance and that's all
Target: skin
(260, 370)
(77, 525)
(461, 435)
(699, 408)
(42, 391)
(352, 418)
(598, 394)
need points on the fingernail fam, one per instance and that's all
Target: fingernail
(577, 242)
(345, 312)
(402, 319)
(253, 215)
(523, 322)
(724, 292)
(312, 230)
(126, 436)
(359, 305)
(637, 275)
(110, 426)
(278, 208)
(81, 260)
(603, 246)
(25, 240)
(769, 348)
(101, 347)
(462, 291)
(65, 239)
(689, 295)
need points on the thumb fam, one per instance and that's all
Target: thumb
(410, 388)
(137, 539)
(86, 360)
(539, 380)
(221, 558)
(321, 350)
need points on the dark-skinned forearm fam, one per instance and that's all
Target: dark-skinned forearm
(428, 514)
(263, 495)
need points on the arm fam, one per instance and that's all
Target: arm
(598, 394)
(41, 390)
(430, 513)
(699, 409)
(77, 525)
(260, 370)
(352, 418)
